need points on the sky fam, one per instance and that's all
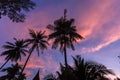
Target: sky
(98, 21)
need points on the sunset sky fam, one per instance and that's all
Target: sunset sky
(98, 21)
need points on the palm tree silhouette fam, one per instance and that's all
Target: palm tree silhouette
(85, 70)
(13, 73)
(37, 41)
(64, 34)
(66, 73)
(80, 67)
(14, 51)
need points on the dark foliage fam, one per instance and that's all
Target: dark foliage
(14, 9)
(84, 70)
(13, 73)
(36, 42)
(50, 77)
(14, 51)
(64, 34)
(66, 73)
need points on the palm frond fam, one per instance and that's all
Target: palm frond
(51, 27)
(10, 43)
(14, 50)
(32, 33)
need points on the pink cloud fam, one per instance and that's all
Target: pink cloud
(94, 17)
(109, 36)
(92, 25)
(45, 64)
(28, 73)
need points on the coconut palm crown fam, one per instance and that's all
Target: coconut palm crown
(64, 34)
(14, 51)
(37, 41)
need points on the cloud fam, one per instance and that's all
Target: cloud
(95, 20)
(110, 38)
(28, 73)
(46, 64)
(101, 24)
(93, 17)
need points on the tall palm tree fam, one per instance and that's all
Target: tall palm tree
(13, 73)
(37, 41)
(14, 51)
(85, 70)
(64, 34)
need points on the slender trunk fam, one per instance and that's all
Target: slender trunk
(27, 60)
(65, 56)
(4, 63)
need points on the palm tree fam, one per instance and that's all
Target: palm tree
(13, 73)
(66, 73)
(14, 51)
(64, 34)
(80, 67)
(85, 70)
(37, 41)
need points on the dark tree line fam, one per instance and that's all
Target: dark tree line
(84, 70)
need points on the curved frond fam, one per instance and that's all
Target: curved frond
(14, 51)
(90, 70)
(38, 40)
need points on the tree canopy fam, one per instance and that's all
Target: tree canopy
(13, 9)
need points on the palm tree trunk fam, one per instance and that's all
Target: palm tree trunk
(65, 56)
(27, 60)
(4, 63)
